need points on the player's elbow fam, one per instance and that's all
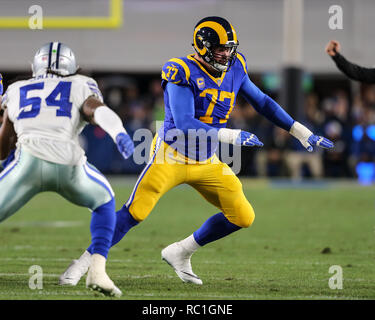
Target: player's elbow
(184, 124)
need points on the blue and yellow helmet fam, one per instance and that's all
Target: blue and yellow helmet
(211, 32)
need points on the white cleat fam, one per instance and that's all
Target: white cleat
(102, 283)
(76, 270)
(98, 280)
(179, 259)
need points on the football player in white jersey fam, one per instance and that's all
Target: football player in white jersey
(43, 117)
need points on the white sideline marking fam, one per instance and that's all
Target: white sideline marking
(218, 297)
(52, 275)
(242, 296)
(169, 276)
(46, 224)
(35, 259)
(48, 293)
(153, 261)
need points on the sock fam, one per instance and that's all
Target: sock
(214, 228)
(85, 259)
(124, 222)
(98, 263)
(102, 227)
(189, 244)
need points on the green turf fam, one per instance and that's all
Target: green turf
(278, 257)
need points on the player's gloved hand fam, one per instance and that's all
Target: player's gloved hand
(1, 85)
(308, 139)
(125, 144)
(320, 142)
(248, 139)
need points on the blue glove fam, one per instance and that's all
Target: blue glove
(320, 142)
(1, 85)
(248, 139)
(125, 144)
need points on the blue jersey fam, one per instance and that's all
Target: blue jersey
(214, 98)
(1, 85)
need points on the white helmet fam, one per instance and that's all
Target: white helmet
(54, 57)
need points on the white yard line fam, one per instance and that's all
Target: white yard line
(46, 224)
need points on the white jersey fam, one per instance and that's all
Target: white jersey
(46, 115)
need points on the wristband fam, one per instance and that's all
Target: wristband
(109, 121)
(228, 135)
(300, 132)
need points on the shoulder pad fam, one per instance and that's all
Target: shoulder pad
(241, 58)
(91, 84)
(176, 71)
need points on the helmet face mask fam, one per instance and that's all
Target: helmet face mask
(223, 61)
(55, 58)
(213, 34)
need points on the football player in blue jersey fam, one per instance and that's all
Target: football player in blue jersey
(5, 162)
(200, 91)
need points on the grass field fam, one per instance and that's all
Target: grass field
(298, 233)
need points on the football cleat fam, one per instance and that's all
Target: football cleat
(98, 280)
(179, 259)
(103, 284)
(76, 270)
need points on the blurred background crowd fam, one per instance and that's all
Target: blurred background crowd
(339, 109)
(125, 59)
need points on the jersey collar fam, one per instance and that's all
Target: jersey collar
(218, 80)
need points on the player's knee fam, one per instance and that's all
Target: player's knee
(5, 211)
(244, 216)
(246, 219)
(140, 208)
(137, 215)
(109, 205)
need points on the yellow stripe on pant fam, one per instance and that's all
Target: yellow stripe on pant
(213, 179)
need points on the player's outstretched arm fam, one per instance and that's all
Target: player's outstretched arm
(98, 114)
(181, 100)
(273, 112)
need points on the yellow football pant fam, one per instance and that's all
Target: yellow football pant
(213, 179)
